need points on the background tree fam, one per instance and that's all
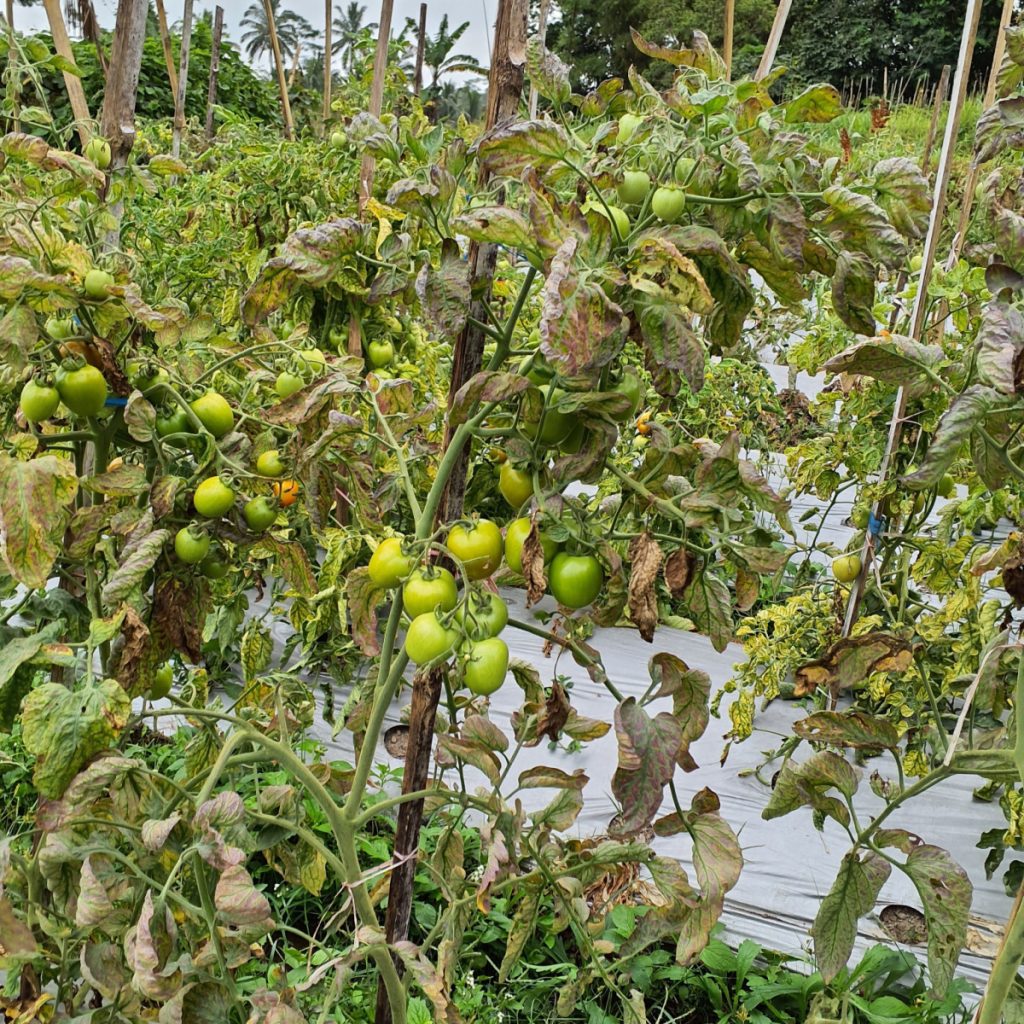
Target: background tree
(347, 30)
(292, 30)
(438, 56)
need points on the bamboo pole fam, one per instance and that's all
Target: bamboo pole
(727, 34)
(179, 96)
(771, 48)
(542, 26)
(328, 62)
(211, 89)
(165, 42)
(937, 100)
(73, 84)
(380, 69)
(990, 97)
(919, 311)
(504, 90)
(275, 45)
(421, 45)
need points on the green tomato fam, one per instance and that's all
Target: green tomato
(683, 169)
(535, 368)
(213, 568)
(163, 680)
(380, 353)
(668, 204)
(148, 379)
(429, 640)
(213, 498)
(860, 517)
(190, 545)
(59, 327)
(477, 547)
(575, 580)
(312, 361)
(482, 614)
(38, 402)
(83, 389)
(287, 384)
(97, 284)
(269, 463)
(485, 666)
(846, 568)
(516, 485)
(916, 263)
(618, 216)
(946, 486)
(556, 425)
(428, 590)
(97, 150)
(173, 420)
(214, 413)
(634, 187)
(389, 564)
(628, 125)
(337, 140)
(515, 536)
(259, 513)
(630, 385)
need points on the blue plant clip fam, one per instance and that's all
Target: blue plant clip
(117, 403)
(875, 525)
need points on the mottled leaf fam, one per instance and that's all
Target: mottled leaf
(853, 292)
(904, 193)
(855, 729)
(444, 291)
(817, 104)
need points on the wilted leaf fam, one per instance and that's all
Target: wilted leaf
(860, 224)
(532, 557)
(645, 563)
(510, 148)
(444, 291)
(679, 567)
(483, 388)
(1000, 339)
(895, 360)
(854, 729)
(647, 761)
(547, 73)
(361, 597)
(904, 193)
(807, 784)
(817, 104)
(136, 563)
(238, 901)
(853, 292)
(709, 604)
(851, 660)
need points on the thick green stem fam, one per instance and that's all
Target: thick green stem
(1004, 967)
(1018, 718)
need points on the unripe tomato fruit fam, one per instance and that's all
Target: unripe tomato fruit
(214, 413)
(312, 360)
(619, 218)
(429, 640)
(97, 150)
(259, 514)
(380, 353)
(213, 568)
(163, 679)
(515, 535)
(288, 383)
(269, 463)
(486, 665)
(946, 486)
(286, 492)
(556, 425)
(82, 389)
(846, 568)
(428, 590)
(516, 485)
(38, 402)
(97, 284)
(575, 580)
(683, 169)
(634, 187)
(629, 385)
(860, 517)
(190, 545)
(59, 327)
(337, 140)
(668, 204)
(628, 125)
(482, 614)
(389, 564)
(478, 547)
(173, 421)
(213, 497)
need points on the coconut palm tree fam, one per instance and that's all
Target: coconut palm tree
(438, 56)
(348, 25)
(292, 30)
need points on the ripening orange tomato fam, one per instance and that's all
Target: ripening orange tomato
(287, 492)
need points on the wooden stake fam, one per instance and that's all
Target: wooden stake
(937, 101)
(117, 121)
(990, 97)
(275, 44)
(730, 18)
(165, 42)
(380, 67)
(179, 96)
(73, 84)
(328, 62)
(211, 90)
(421, 43)
(774, 38)
(505, 86)
(917, 315)
(542, 26)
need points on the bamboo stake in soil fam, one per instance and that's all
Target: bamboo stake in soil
(727, 33)
(328, 62)
(211, 91)
(542, 27)
(380, 69)
(504, 90)
(917, 316)
(165, 42)
(179, 96)
(275, 45)
(937, 100)
(774, 38)
(73, 84)
(421, 44)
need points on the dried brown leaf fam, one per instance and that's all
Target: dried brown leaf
(533, 566)
(679, 568)
(645, 558)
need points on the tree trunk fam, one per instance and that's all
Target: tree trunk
(328, 61)
(118, 117)
(76, 94)
(211, 92)
(421, 42)
(179, 96)
(504, 91)
(295, 64)
(165, 42)
(275, 45)
(91, 31)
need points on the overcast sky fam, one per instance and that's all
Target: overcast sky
(476, 41)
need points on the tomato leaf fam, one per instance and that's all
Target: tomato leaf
(854, 729)
(895, 360)
(547, 73)
(483, 388)
(802, 785)
(853, 292)
(709, 604)
(817, 104)
(510, 148)
(444, 291)
(858, 223)
(904, 193)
